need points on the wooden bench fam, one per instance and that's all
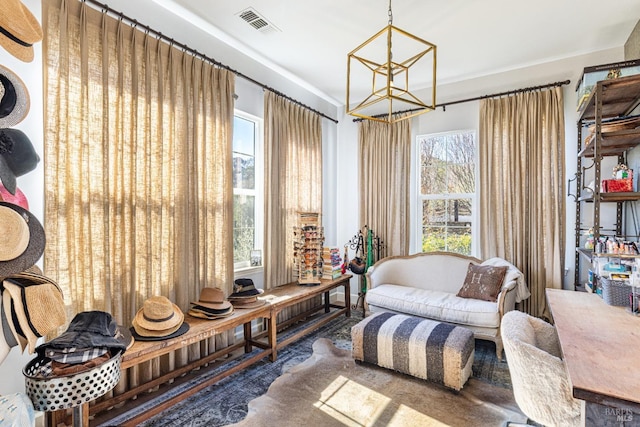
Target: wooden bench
(201, 329)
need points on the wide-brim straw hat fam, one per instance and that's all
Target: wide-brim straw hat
(158, 317)
(37, 304)
(14, 98)
(20, 30)
(17, 227)
(212, 298)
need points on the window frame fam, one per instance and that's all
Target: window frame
(474, 197)
(257, 192)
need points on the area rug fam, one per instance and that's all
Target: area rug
(331, 389)
(227, 401)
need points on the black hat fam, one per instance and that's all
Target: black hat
(244, 288)
(17, 157)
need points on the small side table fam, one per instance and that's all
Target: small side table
(54, 393)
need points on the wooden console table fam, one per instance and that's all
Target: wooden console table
(201, 329)
(601, 348)
(287, 295)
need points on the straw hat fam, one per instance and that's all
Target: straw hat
(157, 318)
(212, 298)
(14, 98)
(37, 304)
(19, 30)
(17, 226)
(17, 157)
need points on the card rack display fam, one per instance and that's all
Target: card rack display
(307, 248)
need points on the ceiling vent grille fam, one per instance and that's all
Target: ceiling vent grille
(257, 21)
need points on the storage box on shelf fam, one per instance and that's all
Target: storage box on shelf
(593, 74)
(610, 128)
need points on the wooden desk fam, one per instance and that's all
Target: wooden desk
(287, 295)
(601, 349)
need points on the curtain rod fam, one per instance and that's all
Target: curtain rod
(134, 23)
(494, 95)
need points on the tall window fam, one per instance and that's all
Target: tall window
(247, 191)
(447, 192)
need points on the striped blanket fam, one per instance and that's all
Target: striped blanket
(427, 349)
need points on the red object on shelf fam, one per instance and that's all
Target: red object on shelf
(617, 185)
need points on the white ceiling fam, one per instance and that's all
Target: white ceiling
(474, 37)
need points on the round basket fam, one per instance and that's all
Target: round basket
(62, 392)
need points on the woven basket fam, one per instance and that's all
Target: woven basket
(615, 292)
(62, 392)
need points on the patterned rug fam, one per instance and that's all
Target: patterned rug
(227, 401)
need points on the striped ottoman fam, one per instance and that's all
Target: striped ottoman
(427, 349)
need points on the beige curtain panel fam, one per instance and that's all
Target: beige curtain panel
(138, 189)
(522, 206)
(385, 165)
(293, 180)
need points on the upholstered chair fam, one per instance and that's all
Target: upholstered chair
(538, 374)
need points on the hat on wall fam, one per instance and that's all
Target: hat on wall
(19, 30)
(17, 199)
(17, 157)
(14, 98)
(6, 335)
(158, 318)
(244, 288)
(37, 304)
(9, 316)
(23, 239)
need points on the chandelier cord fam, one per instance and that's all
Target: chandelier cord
(390, 14)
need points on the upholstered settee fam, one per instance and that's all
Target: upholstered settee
(448, 287)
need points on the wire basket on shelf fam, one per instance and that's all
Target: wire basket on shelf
(615, 292)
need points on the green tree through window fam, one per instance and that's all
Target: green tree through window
(447, 191)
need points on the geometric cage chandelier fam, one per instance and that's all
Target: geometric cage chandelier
(395, 62)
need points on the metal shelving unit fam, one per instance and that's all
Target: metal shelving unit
(610, 100)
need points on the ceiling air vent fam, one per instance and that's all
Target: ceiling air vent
(257, 21)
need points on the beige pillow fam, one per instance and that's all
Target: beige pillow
(482, 282)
